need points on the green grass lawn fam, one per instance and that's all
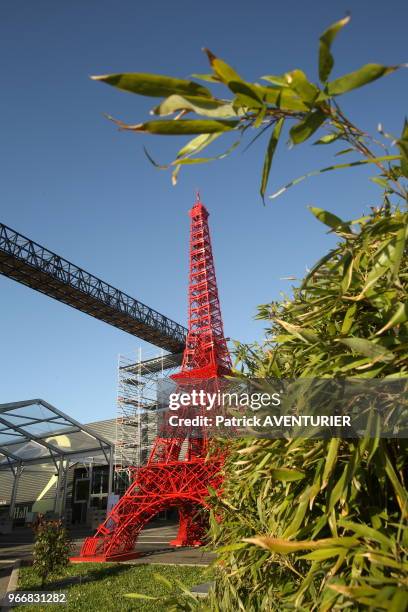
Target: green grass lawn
(102, 586)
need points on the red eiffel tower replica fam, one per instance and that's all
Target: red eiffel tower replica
(167, 480)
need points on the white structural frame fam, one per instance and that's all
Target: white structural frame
(17, 440)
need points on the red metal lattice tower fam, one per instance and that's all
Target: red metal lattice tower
(168, 481)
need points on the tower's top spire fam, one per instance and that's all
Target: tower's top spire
(198, 206)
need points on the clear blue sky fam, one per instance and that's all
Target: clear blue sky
(72, 182)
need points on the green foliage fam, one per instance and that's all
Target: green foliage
(337, 535)
(292, 98)
(51, 548)
(351, 308)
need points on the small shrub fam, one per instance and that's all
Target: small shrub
(51, 548)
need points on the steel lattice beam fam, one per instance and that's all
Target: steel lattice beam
(33, 265)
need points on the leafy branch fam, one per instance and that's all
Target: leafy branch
(289, 98)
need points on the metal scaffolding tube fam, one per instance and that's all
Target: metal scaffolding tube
(110, 474)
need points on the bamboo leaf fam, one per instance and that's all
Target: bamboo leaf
(222, 70)
(255, 95)
(174, 175)
(231, 547)
(304, 334)
(205, 160)
(194, 146)
(247, 94)
(153, 162)
(273, 141)
(337, 490)
(403, 147)
(364, 75)
(260, 118)
(348, 319)
(347, 274)
(400, 315)
(298, 81)
(305, 128)
(209, 78)
(365, 531)
(331, 460)
(344, 152)
(153, 85)
(400, 491)
(326, 61)
(286, 474)
(181, 127)
(361, 162)
(353, 592)
(380, 181)
(200, 105)
(399, 601)
(328, 138)
(368, 348)
(325, 553)
(283, 546)
(298, 517)
(381, 559)
(401, 238)
(160, 578)
(280, 81)
(287, 100)
(197, 144)
(328, 218)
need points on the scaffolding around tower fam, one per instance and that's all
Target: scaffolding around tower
(136, 416)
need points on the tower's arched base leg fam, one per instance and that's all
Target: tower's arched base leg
(157, 487)
(192, 527)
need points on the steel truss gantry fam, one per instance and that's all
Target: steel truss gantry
(33, 265)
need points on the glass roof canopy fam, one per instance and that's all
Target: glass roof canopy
(34, 432)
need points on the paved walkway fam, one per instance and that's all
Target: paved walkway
(6, 568)
(153, 545)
